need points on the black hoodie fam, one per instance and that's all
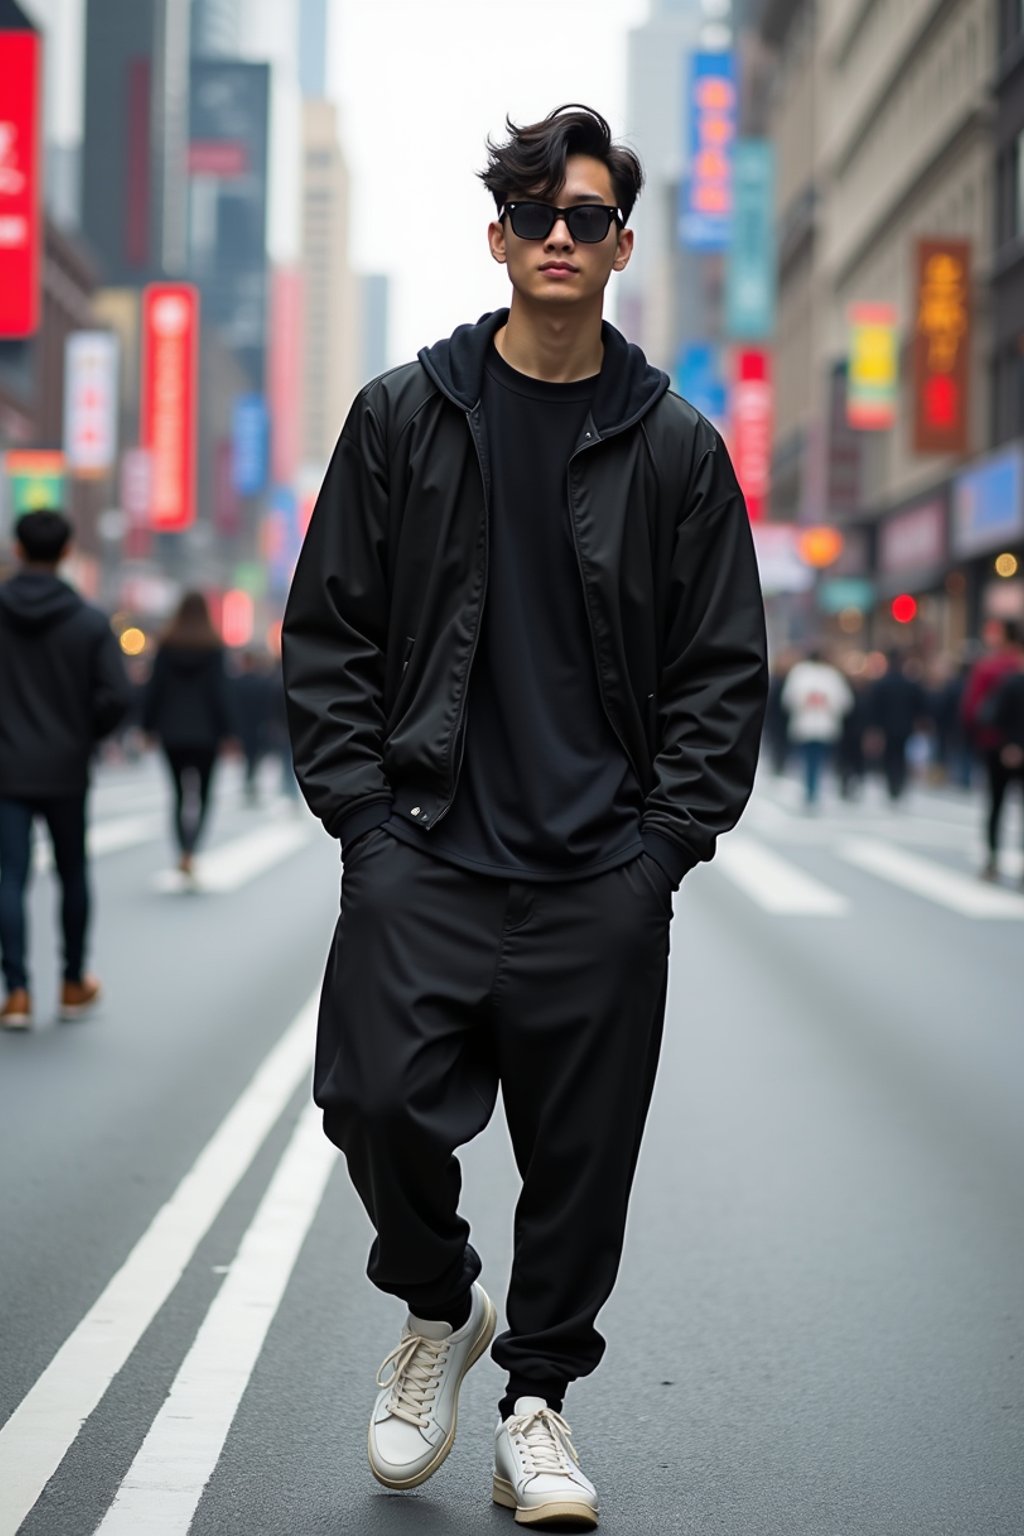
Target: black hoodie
(187, 703)
(384, 614)
(62, 687)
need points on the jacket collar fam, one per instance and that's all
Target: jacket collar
(627, 387)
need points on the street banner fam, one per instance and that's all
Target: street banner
(873, 371)
(35, 480)
(250, 438)
(941, 345)
(20, 184)
(751, 425)
(170, 356)
(750, 261)
(285, 369)
(706, 213)
(697, 377)
(90, 402)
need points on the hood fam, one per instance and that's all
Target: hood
(627, 387)
(34, 601)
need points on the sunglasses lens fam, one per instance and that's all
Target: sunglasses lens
(532, 221)
(590, 225)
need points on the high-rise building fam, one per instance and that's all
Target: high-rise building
(1008, 276)
(331, 351)
(135, 149)
(313, 47)
(216, 28)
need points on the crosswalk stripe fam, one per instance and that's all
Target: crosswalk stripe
(946, 887)
(232, 865)
(105, 837)
(165, 1482)
(773, 882)
(45, 1424)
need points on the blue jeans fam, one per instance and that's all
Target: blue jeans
(815, 756)
(65, 819)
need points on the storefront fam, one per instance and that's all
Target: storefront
(987, 536)
(914, 598)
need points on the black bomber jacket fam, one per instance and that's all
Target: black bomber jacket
(384, 612)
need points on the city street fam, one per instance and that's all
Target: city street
(819, 1324)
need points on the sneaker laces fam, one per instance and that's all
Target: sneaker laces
(417, 1365)
(543, 1438)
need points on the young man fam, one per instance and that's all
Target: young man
(525, 661)
(62, 688)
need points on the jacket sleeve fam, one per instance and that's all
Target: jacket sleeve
(112, 692)
(333, 639)
(713, 687)
(152, 697)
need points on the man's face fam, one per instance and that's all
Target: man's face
(559, 270)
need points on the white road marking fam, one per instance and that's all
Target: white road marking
(104, 837)
(165, 1482)
(964, 894)
(234, 864)
(41, 1430)
(773, 882)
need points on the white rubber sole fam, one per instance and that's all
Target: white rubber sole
(17, 1021)
(480, 1343)
(564, 1511)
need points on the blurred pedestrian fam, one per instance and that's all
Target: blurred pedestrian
(1002, 639)
(816, 697)
(519, 784)
(1003, 714)
(895, 708)
(253, 703)
(850, 761)
(188, 711)
(62, 689)
(776, 720)
(943, 702)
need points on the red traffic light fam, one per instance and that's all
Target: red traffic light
(904, 608)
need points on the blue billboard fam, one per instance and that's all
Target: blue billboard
(250, 445)
(988, 503)
(751, 263)
(697, 378)
(706, 211)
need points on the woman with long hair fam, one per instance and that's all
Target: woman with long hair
(187, 709)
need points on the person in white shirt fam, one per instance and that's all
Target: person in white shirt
(815, 696)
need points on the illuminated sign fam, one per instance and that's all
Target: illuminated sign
(35, 479)
(170, 352)
(706, 215)
(751, 428)
(750, 262)
(942, 331)
(20, 173)
(873, 372)
(90, 402)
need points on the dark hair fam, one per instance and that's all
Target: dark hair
(192, 626)
(1013, 632)
(43, 535)
(533, 159)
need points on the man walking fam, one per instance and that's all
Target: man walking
(62, 688)
(816, 697)
(525, 660)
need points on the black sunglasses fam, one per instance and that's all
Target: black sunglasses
(588, 223)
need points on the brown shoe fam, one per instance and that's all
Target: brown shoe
(16, 1012)
(79, 997)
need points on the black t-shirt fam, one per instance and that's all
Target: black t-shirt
(546, 791)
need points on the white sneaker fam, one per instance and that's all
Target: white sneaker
(416, 1413)
(537, 1471)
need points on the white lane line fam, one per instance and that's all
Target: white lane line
(234, 864)
(176, 1460)
(774, 883)
(946, 887)
(104, 837)
(41, 1430)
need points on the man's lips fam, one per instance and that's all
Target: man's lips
(558, 266)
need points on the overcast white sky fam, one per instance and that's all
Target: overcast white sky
(421, 83)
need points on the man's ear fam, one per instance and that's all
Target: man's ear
(624, 250)
(496, 240)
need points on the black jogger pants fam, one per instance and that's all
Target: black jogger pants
(441, 984)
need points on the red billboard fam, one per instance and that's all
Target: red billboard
(170, 357)
(286, 318)
(941, 346)
(20, 184)
(751, 435)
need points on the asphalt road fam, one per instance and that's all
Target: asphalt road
(819, 1324)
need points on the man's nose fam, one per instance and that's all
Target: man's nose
(560, 233)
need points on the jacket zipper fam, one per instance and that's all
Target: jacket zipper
(586, 603)
(460, 723)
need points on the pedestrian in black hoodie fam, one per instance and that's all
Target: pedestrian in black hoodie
(1003, 713)
(526, 668)
(187, 709)
(62, 689)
